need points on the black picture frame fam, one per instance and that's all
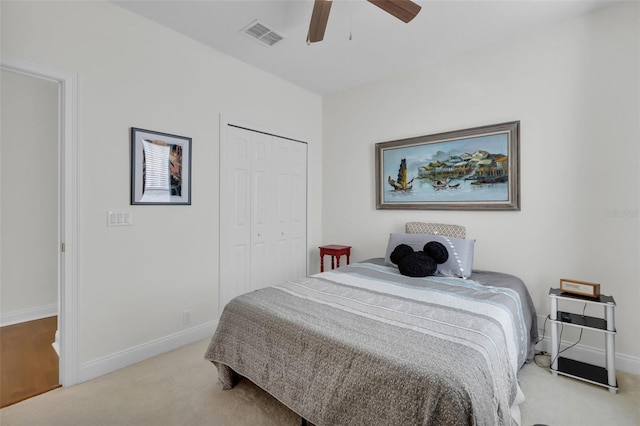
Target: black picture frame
(160, 168)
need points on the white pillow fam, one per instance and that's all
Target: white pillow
(460, 262)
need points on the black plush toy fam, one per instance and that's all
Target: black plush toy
(419, 263)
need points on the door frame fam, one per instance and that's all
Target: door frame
(68, 213)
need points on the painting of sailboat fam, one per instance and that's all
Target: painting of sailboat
(472, 169)
(401, 184)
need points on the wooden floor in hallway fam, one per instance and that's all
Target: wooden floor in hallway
(28, 362)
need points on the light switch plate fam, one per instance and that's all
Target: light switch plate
(119, 218)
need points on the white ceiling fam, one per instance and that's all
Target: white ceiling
(380, 44)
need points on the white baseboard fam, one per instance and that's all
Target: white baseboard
(106, 364)
(29, 314)
(583, 353)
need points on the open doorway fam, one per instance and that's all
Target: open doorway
(65, 248)
(29, 225)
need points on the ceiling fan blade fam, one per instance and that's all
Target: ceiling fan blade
(319, 18)
(404, 10)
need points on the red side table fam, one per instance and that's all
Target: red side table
(335, 252)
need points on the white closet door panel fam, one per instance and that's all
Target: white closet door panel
(238, 191)
(298, 253)
(235, 223)
(240, 218)
(283, 203)
(259, 229)
(281, 261)
(260, 187)
(281, 224)
(260, 184)
(263, 233)
(260, 266)
(281, 149)
(299, 201)
(237, 282)
(291, 171)
(298, 227)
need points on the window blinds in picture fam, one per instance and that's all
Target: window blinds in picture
(156, 173)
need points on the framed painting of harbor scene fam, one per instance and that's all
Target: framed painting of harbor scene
(470, 169)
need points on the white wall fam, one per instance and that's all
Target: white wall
(29, 198)
(136, 281)
(575, 87)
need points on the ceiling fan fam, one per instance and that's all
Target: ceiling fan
(405, 10)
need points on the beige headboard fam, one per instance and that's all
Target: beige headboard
(455, 231)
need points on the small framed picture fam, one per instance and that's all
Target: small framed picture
(580, 288)
(160, 168)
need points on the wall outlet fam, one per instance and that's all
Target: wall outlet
(186, 316)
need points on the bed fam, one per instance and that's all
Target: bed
(365, 345)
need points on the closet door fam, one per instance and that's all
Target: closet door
(263, 210)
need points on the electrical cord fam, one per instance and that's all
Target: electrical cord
(568, 347)
(535, 356)
(544, 329)
(558, 352)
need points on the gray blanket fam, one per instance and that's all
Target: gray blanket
(363, 345)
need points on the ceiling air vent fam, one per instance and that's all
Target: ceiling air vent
(265, 35)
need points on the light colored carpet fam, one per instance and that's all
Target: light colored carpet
(181, 388)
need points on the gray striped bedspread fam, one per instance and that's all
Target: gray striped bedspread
(364, 345)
